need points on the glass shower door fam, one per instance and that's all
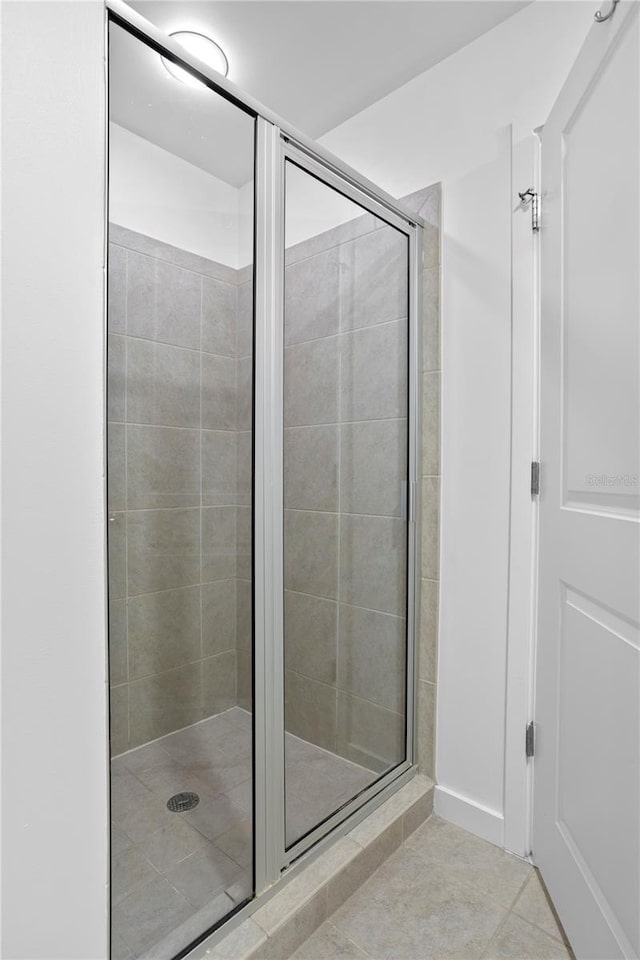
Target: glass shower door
(346, 397)
(180, 426)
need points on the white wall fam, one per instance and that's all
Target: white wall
(159, 194)
(54, 720)
(452, 123)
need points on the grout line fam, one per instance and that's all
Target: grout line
(341, 423)
(342, 334)
(174, 346)
(338, 513)
(158, 255)
(359, 606)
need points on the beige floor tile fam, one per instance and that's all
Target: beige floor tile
(203, 875)
(144, 817)
(329, 943)
(410, 910)
(149, 913)
(472, 861)
(119, 949)
(242, 794)
(171, 844)
(126, 792)
(130, 869)
(119, 840)
(532, 905)
(214, 817)
(519, 940)
(237, 842)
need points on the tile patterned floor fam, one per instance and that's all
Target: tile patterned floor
(443, 894)
(187, 870)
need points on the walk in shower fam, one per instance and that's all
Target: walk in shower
(262, 406)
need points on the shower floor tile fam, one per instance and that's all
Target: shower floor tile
(191, 868)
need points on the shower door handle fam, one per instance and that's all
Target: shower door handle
(407, 500)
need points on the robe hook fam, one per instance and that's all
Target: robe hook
(599, 18)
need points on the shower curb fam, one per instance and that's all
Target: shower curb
(277, 929)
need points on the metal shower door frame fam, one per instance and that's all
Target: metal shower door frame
(317, 167)
(276, 141)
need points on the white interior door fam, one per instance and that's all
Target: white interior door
(587, 765)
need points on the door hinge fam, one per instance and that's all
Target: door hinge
(530, 196)
(530, 740)
(535, 478)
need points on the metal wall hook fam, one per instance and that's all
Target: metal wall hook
(530, 196)
(599, 18)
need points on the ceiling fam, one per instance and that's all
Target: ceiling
(314, 62)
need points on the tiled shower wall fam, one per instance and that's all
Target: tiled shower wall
(179, 486)
(345, 446)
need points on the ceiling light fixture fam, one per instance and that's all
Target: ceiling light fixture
(204, 48)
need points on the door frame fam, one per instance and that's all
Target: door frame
(276, 140)
(316, 167)
(523, 540)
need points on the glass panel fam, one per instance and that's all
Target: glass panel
(345, 475)
(180, 340)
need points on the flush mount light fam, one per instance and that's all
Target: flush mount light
(204, 48)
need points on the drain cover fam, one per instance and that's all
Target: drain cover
(183, 801)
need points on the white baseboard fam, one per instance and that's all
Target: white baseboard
(470, 815)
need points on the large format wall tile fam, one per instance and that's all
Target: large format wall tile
(311, 475)
(311, 553)
(244, 614)
(164, 631)
(243, 542)
(117, 555)
(431, 424)
(118, 669)
(218, 543)
(373, 563)
(244, 679)
(218, 617)
(310, 710)
(117, 289)
(311, 382)
(373, 467)
(164, 703)
(372, 653)
(116, 377)
(163, 549)
(218, 467)
(219, 310)
(219, 683)
(310, 636)
(244, 393)
(180, 473)
(244, 467)
(219, 396)
(163, 384)
(119, 714)
(116, 479)
(374, 278)
(163, 302)
(373, 373)
(369, 734)
(312, 289)
(245, 319)
(430, 528)
(163, 467)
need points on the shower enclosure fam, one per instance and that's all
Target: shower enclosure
(262, 430)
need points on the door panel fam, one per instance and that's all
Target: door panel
(586, 837)
(180, 498)
(345, 480)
